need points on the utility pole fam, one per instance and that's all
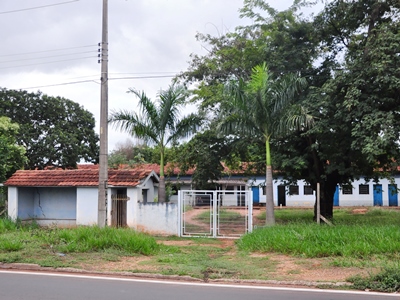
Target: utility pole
(103, 159)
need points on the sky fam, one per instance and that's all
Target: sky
(52, 46)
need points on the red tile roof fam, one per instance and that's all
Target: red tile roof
(77, 177)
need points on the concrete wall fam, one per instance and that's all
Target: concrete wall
(55, 203)
(134, 194)
(47, 205)
(354, 199)
(86, 205)
(25, 203)
(291, 200)
(12, 202)
(157, 218)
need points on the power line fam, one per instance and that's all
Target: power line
(45, 57)
(92, 80)
(45, 51)
(57, 84)
(49, 62)
(36, 7)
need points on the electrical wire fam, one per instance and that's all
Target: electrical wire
(84, 81)
(36, 7)
(45, 57)
(45, 51)
(57, 84)
(49, 62)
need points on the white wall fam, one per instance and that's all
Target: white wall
(157, 218)
(291, 200)
(354, 199)
(12, 202)
(86, 205)
(134, 195)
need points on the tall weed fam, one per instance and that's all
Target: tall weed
(84, 239)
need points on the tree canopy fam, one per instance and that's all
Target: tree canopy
(159, 122)
(12, 156)
(349, 54)
(54, 131)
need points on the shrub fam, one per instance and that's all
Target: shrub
(388, 280)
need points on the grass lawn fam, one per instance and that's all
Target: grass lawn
(369, 242)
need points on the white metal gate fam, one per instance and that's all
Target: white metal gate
(215, 213)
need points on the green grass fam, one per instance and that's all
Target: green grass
(369, 242)
(312, 240)
(210, 262)
(224, 214)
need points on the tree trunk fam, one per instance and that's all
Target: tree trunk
(270, 215)
(161, 184)
(269, 204)
(161, 190)
(327, 193)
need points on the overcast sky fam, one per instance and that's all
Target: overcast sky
(147, 38)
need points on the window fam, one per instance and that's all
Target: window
(229, 188)
(363, 189)
(293, 189)
(347, 190)
(308, 190)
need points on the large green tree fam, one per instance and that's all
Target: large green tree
(349, 54)
(256, 110)
(54, 131)
(159, 122)
(12, 156)
(355, 100)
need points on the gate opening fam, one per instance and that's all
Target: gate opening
(215, 213)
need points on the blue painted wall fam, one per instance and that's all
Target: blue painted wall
(55, 203)
(25, 203)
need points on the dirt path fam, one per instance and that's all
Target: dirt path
(287, 268)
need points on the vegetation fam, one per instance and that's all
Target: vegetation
(348, 54)
(369, 242)
(54, 131)
(258, 108)
(81, 239)
(12, 156)
(388, 280)
(158, 123)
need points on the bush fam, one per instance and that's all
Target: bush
(388, 280)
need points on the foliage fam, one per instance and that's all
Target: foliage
(296, 234)
(131, 154)
(388, 280)
(159, 123)
(204, 152)
(355, 130)
(84, 239)
(257, 108)
(54, 131)
(12, 156)
(79, 239)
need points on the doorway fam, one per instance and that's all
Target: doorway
(118, 208)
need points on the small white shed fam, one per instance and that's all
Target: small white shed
(70, 197)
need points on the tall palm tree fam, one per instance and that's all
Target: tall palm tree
(159, 123)
(257, 110)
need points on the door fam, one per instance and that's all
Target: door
(378, 195)
(393, 195)
(336, 197)
(118, 208)
(256, 195)
(281, 195)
